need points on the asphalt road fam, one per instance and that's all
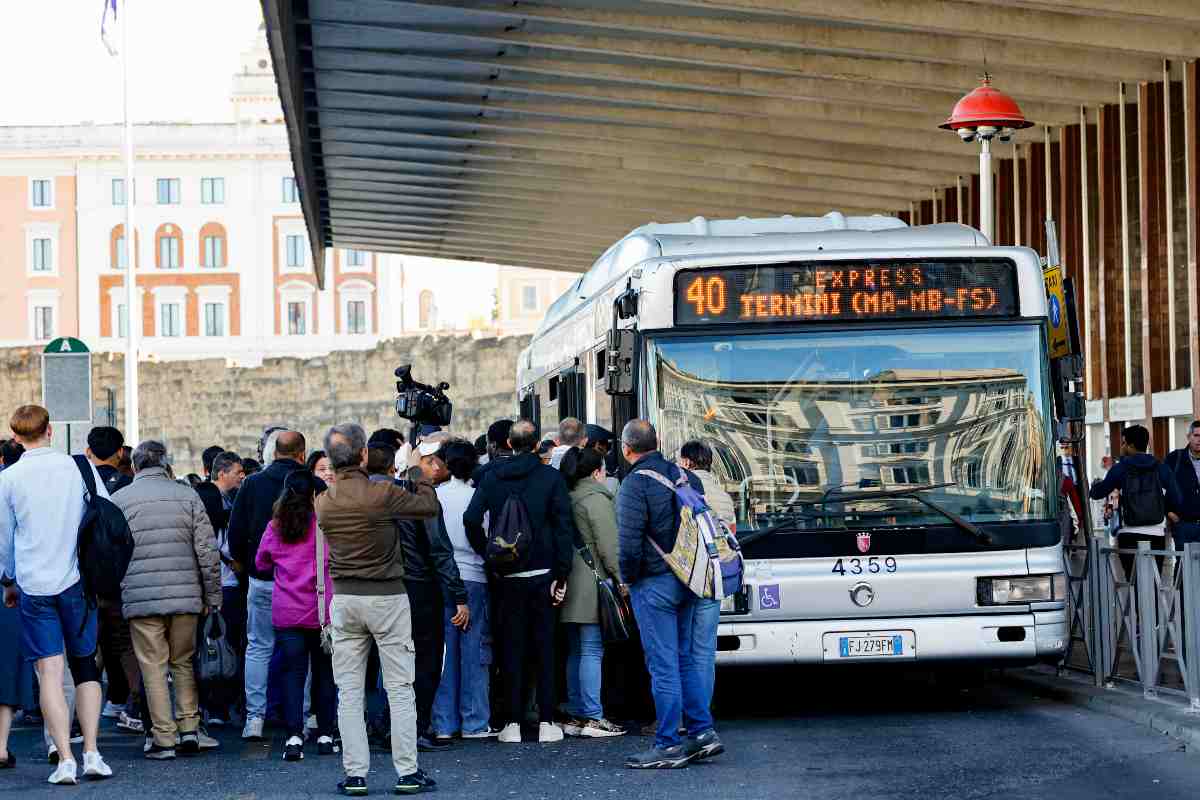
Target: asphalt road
(790, 734)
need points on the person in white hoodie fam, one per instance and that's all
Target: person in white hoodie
(462, 705)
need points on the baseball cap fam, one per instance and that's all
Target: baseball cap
(428, 446)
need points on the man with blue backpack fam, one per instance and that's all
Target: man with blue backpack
(657, 505)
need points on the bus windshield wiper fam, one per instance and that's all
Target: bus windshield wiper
(917, 493)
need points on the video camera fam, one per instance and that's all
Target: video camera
(420, 403)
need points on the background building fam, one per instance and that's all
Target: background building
(220, 248)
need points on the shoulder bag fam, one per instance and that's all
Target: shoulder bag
(322, 616)
(616, 617)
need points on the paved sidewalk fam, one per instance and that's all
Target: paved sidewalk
(1165, 713)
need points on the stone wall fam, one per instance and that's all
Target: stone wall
(193, 404)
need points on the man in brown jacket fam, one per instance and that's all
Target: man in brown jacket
(370, 604)
(173, 577)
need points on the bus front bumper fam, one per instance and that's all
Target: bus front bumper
(1017, 638)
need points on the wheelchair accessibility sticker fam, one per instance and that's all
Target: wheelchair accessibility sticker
(769, 596)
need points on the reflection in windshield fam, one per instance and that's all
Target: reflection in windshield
(800, 423)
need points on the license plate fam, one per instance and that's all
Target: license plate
(881, 645)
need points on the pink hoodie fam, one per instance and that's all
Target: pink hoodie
(294, 602)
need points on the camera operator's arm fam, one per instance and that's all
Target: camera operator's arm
(420, 503)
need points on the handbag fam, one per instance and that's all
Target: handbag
(322, 616)
(215, 658)
(616, 617)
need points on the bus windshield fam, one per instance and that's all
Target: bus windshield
(814, 430)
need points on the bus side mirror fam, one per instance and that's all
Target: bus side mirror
(621, 366)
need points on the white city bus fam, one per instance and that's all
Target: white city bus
(877, 399)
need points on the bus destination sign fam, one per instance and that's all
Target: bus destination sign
(847, 291)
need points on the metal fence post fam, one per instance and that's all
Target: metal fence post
(1106, 595)
(1189, 608)
(1147, 606)
(1094, 620)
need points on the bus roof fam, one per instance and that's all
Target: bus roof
(831, 232)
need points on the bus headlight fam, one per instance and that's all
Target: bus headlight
(737, 603)
(1021, 589)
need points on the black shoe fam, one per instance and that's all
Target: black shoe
(674, 757)
(189, 745)
(294, 749)
(426, 744)
(156, 753)
(706, 745)
(353, 787)
(326, 746)
(415, 783)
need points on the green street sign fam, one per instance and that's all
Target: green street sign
(64, 345)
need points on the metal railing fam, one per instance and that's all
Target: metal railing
(1140, 626)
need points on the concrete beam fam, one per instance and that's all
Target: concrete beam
(864, 97)
(482, 255)
(966, 18)
(1003, 55)
(627, 46)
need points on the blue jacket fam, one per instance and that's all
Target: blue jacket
(647, 509)
(1115, 479)
(1180, 464)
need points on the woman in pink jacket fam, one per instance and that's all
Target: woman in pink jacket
(289, 546)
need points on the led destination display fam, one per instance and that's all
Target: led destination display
(849, 291)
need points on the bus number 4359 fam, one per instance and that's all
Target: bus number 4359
(858, 566)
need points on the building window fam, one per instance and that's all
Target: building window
(168, 252)
(911, 475)
(296, 318)
(295, 250)
(122, 320)
(529, 298)
(118, 191)
(41, 193)
(426, 311)
(214, 319)
(122, 254)
(291, 192)
(356, 258)
(43, 322)
(168, 191)
(356, 316)
(213, 252)
(170, 320)
(43, 255)
(212, 190)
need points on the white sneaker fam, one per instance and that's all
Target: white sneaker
(253, 729)
(205, 741)
(64, 774)
(486, 733)
(94, 766)
(549, 732)
(511, 734)
(111, 710)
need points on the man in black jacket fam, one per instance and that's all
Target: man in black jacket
(1184, 464)
(104, 451)
(252, 510)
(431, 580)
(497, 449)
(527, 598)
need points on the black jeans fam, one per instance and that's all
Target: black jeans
(525, 627)
(300, 647)
(1129, 541)
(429, 642)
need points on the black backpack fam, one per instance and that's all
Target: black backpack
(1142, 501)
(510, 538)
(105, 541)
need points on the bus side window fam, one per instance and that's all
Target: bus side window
(531, 409)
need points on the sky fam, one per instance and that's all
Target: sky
(183, 55)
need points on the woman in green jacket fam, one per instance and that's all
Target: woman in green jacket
(596, 518)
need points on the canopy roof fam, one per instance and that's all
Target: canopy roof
(538, 133)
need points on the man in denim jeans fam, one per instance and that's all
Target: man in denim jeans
(679, 630)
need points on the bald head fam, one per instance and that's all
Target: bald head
(290, 445)
(522, 436)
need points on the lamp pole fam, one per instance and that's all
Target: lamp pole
(986, 215)
(132, 432)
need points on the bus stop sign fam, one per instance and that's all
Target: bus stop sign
(1056, 313)
(67, 381)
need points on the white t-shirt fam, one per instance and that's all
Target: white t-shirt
(455, 496)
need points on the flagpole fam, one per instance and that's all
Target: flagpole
(132, 317)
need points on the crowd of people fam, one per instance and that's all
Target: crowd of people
(358, 591)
